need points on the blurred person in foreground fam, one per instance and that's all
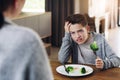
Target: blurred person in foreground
(76, 44)
(22, 53)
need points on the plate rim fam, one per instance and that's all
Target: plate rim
(74, 65)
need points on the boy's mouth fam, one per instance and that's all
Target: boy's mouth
(79, 40)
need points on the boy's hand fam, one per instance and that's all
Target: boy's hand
(67, 26)
(99, 63)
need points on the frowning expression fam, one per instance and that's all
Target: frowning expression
(79, 33)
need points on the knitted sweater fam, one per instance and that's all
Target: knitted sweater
(70, 48)
(22, 55)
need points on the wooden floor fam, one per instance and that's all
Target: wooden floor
(113, 40)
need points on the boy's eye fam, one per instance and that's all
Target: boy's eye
(72, 33)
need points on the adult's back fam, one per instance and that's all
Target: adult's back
(22, 54)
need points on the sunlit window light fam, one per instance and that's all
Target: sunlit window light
(34, 6)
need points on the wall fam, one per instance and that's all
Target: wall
(40, 22)
(76, 6)
(81, 6)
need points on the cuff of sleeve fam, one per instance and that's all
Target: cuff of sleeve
(103, 66)
(67, 35)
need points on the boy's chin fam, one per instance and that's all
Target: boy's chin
(80, 42)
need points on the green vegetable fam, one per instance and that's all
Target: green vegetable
(94, 46)
(83, 70)
(70, 68)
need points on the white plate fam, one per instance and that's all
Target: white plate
(76, 72)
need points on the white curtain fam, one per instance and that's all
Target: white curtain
(113, 8)
(100, 7)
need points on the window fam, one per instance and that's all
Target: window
(34, 6)
(118, 22)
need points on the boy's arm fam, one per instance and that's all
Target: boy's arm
(112, 59)
(65, 50)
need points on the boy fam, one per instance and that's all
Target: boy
(76, 43)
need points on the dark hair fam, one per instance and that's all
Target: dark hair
(77, 19)
(1, 20)
(4, 5)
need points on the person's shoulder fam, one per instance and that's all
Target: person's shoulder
(30, 33)
(25, 32)
(97, 35)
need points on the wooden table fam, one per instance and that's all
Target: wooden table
(109, 74)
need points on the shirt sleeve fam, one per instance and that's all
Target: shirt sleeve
(64, 52)
(112, 60)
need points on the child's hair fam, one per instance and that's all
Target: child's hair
(77, 19)
(4, 5)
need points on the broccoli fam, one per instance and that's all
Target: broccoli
(83, 70)
(94, 46)
(69, 68)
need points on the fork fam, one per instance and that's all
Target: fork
(66, 68)
(95, 54)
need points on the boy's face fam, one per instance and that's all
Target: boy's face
(79, 33)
